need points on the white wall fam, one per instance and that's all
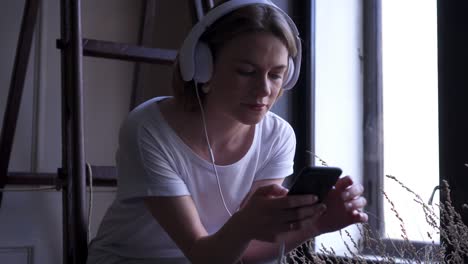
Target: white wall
(339, 93)
(31, 222)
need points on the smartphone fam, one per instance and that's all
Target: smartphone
(315, 180)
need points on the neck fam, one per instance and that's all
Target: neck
(229, 139)
(225, 132)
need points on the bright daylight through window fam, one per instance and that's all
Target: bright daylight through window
(410, 114)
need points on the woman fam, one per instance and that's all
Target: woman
(200, 173)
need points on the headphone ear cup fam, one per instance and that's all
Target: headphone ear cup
(203, 62)
(289, 73)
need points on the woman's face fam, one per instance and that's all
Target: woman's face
(248, 74)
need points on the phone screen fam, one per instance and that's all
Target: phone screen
(315, 180)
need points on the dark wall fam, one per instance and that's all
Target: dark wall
(453, 98)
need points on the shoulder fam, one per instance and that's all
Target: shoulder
(273, 123)
(144, 117)
(145, 109)
(276, 132)
(277, 145)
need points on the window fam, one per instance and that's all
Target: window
(413, 102)
(401, 116)
(410, 112)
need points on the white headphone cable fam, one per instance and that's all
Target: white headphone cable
(209, 147)
(281, 252)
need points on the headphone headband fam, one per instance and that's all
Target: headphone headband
(195, 58)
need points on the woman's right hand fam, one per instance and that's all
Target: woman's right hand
(269, 213)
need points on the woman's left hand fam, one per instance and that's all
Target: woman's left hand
(344, 206)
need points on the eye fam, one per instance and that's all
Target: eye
(276, 76)
(245, 72)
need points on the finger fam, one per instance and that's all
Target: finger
(352, 192)
(343, 183)
(356, 204)
(294, 201)
(308, 220)
(300, 213)
(271, 190)
(359, 217)
(363, 217)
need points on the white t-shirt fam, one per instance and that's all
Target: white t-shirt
(153, 161)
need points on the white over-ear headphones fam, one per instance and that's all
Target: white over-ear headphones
(196, 59)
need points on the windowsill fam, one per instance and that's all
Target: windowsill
(401, 250)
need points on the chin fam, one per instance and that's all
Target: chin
(251, 119)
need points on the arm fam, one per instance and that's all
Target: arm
(179, 217)
(264, 217)
(255, 231)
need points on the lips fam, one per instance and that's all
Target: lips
(256, 107)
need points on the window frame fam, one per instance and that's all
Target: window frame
(453, 142)
(373, 112)
(303, 95)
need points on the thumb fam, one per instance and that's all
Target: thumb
(271, 190)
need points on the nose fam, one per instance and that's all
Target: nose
(264, 86)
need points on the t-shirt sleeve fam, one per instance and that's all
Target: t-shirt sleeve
(145, 165)
(279, 150)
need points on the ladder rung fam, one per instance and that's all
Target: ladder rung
(102, 176)
(114, 50)
(29, 178)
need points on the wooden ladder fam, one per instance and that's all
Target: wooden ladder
(71, 177)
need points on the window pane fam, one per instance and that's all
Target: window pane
(410, 112)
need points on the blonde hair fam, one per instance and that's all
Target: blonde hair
(248, 19)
